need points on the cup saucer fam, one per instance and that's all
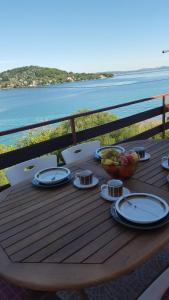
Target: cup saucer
(165, 164)
(104, 194)
(146, 157)
(76, 183)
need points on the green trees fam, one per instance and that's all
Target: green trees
(34, 75)
(3, 149)
(81, 123)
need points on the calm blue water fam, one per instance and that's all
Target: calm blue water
(24, 106)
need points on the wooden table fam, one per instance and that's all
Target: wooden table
(65, 238)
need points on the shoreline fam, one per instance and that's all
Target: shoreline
(50, 84)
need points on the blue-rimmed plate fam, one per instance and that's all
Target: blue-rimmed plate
(142, 208)
(52, 175)
(49, 186)
(126, 223)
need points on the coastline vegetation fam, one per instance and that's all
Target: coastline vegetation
(32, 76)
(39, 135)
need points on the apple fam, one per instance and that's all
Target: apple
(124, 160)
(134, 155)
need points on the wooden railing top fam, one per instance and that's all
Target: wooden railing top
(78, 115)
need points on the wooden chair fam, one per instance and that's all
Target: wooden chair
(156, 291)
(80, 151)
(27, 169)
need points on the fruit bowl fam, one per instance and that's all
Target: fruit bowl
(119, 165)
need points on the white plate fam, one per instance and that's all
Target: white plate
(52, 175)
(146, 157)
(118, 148)
(164, 164)
(104, 194)
(142, 208)
(77, 183)
(126, 223)
(49, 186)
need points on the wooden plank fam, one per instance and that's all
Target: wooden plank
(96, 245)
(43, 198)
(57, 234)
(138, 186)
(100, 230)
(23, 154)
(25, 188)
(15, 201)
(3, 195)
(153, 163)
(155, 177)
(162, 182)
(22, 213)
(48, 234)
(149, 144)
(74, 232)
(61, 235)
(114, 246)
(127, 258)
(118, 124)
(49, 217)
(146, 134)
(42, 211)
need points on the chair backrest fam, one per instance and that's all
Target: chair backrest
(27, 169)
(80, 151)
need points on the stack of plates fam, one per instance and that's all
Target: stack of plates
(141, 211)
(98, 153)
(52, 177)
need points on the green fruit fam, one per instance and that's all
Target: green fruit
(109, 153)
(107, 161)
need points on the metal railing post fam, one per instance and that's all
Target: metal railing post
(163, 117)
(73, 130)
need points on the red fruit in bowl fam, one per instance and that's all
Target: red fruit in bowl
(134, 155)
(126, 171)
(112, 170)
(130, 158)
(124, 160)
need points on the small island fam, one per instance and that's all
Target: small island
(32, 76)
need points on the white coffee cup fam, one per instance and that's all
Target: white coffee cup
(165, 158)
(85, 177)
(114, 188)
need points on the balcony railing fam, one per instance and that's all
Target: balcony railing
(22, 154)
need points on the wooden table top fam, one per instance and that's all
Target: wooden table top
(66, 238)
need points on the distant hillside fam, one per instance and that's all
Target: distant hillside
(145, 70)
(34, 76)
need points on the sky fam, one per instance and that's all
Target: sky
(84, 35)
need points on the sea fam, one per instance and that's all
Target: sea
(23, 106)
